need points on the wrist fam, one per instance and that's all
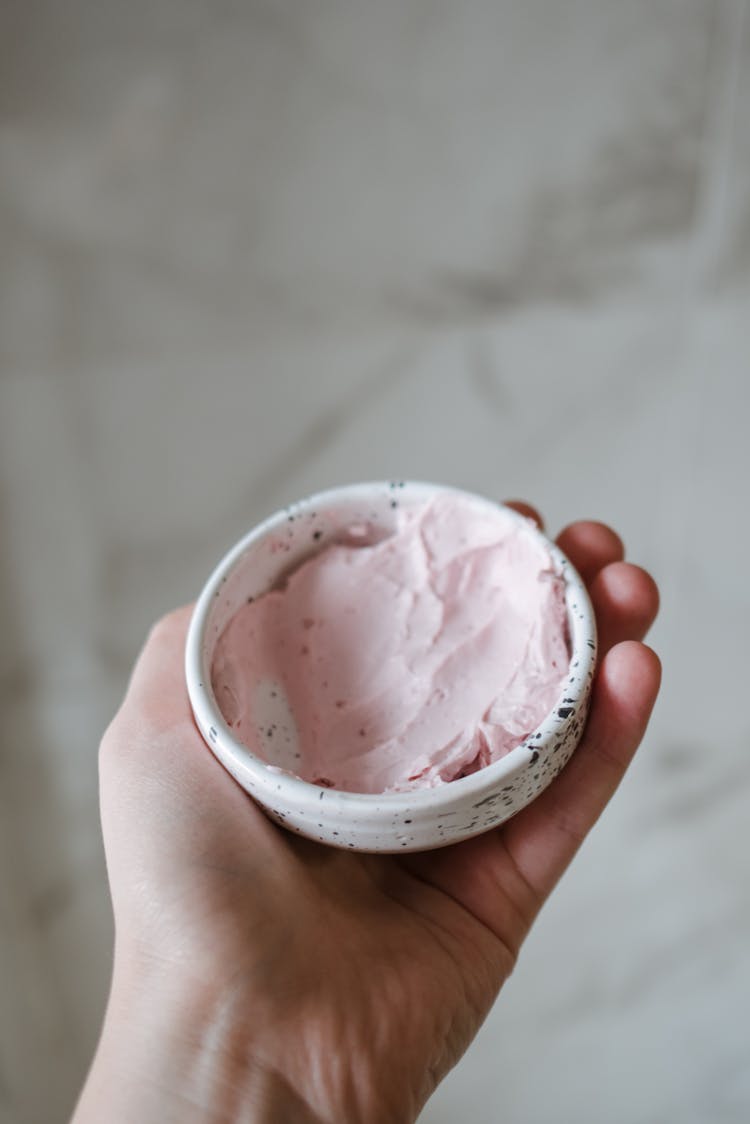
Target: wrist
(172, 1049)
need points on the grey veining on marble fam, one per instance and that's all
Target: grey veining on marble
(251, 250)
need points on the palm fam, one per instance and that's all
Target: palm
(400, 956)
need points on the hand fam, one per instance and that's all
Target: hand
(260, 976)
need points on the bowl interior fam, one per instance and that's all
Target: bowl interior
(279, 545)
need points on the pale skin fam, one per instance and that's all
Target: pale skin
(261, 977)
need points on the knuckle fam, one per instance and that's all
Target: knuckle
(161, 629)
(109, 743)
(170, 624)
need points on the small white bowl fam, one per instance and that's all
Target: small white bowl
(391, 822)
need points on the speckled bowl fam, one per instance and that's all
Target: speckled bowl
(391, 822)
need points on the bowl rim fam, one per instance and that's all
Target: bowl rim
(271, 780)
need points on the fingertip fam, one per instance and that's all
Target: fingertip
(526, 510)
(597, 535)
(647, 588)
(626, 601)
(654, 657)
(640, 658)
(590, 546)
(631, 672)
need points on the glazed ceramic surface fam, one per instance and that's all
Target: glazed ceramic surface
(415, 820)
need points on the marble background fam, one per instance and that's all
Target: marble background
(252, 249)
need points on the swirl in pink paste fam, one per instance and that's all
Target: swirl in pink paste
(404, 663)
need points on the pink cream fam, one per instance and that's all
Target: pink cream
(404, 663)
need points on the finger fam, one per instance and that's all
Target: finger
(544, 837)
(590, 547)
(626, 601)
(504, 876)
(527, 510)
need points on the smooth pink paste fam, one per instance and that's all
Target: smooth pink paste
(402, 664)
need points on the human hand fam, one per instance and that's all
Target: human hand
(260, 976)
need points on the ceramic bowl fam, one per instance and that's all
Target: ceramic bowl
(391, 822)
